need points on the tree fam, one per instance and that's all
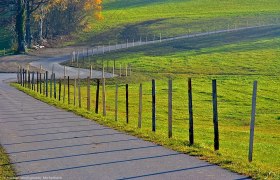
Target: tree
(20, 25)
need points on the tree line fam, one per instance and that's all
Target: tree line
(32, 21)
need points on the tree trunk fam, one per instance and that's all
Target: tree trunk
(28, 24)
(20, 20)
(41, 26)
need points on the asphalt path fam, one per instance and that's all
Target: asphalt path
(44, 142)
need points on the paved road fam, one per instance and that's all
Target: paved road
(48, 63)
(44, 141)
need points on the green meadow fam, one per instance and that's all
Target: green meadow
(235, 59)
(125, 19)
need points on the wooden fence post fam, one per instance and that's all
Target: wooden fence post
(116, 102)
(75, 87)
(44, 84)
(126, 104)
(22, 83)
(97, 96)
(54, 84)
(59, 90)
(104, 96)
(191, 133)
(215, 115)
(140, 106)
(47, 83)
(37, 79)
(51, 88)
(28, 79)
(68, 83)
(64, 87)
(33, 80)
(90, 71)
(253, 117)
(40, 83)
(120, 70)
(170, 108)
(153, 105)
(79, 93)
(88, 93)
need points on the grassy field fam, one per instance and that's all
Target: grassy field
(234, 99)
(235, 59)
(6, 171)
(125, 19)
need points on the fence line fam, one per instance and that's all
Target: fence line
(36, 86)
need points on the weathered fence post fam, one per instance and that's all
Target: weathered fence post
(97, 96)
(116, 102)
(47, 83)
(191, 133)
(29, 82)
(104, 96)
(68, 88)
(170, 108)
(75, 87)
(37, 79)
(252, 125)
(90, 71)
(120, 70)
(59, 90)
(44, 84)
(215, 115)
(88, 93)
(64, 88)
(153, 105)
(33, 80)
(40, 83)
(51, 90)
(140, 106)
(54, 84)
(79, 93)
(126, 102)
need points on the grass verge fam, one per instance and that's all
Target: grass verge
(7, 171)
(234, 134)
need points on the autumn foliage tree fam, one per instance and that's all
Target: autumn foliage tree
(36, 20)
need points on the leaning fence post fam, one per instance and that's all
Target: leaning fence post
(153, 105)
(253, 117)
(140, 107)
(88, 93)
(170, 108)
(116, 103)
(126, 104)
(104, 96)
(215, 115)
(191, 133)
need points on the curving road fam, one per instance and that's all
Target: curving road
(49, 63)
